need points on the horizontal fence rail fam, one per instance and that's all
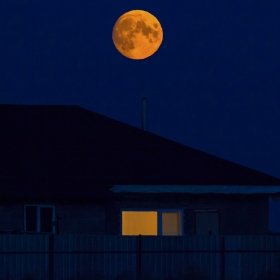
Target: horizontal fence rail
(143, 252)
(66, 257)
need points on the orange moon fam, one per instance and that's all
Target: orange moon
(137, 34)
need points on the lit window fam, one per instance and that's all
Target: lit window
(140, 222)
(158, 222)
(171, 223)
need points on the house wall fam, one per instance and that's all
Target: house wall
(83, 217)
(238, 215)
(11, 216)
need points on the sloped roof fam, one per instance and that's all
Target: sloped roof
(60, 151)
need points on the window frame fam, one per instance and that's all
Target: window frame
(159, 213)
(39, 206)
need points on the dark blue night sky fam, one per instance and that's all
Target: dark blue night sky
(213, 85)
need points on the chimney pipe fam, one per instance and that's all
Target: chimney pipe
(144, 106)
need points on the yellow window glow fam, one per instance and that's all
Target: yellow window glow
(139, 222)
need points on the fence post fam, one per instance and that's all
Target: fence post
(222, 258)
(138, 265)
(51, 256)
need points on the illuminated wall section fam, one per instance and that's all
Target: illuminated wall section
(140, 222)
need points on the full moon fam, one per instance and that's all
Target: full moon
(137, 34)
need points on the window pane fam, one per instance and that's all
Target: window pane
(139, 222)
(207, 223)
(171, 223)
(46, 219)
(31, 218)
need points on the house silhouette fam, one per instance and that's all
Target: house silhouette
(78, 165)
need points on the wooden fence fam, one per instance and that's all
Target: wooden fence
(67, 257)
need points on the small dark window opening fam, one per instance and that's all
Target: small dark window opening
(46, 219)
(31, 218)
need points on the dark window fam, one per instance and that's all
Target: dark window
(46, 219)
(41, 222)
(31, 218)
(207, 223)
